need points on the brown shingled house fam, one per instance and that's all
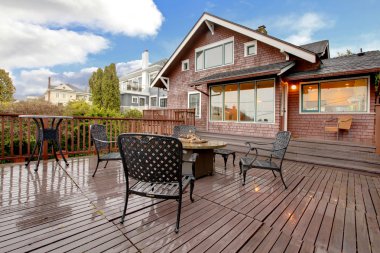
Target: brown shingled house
(245, 82)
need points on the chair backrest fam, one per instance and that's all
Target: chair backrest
(281, 144)
(344, 122)
(151, 158)
(99, 132)
(183, 130)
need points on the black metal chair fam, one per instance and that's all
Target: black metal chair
(102, 145)
(183, 130)
(277, 151)
(155, 162)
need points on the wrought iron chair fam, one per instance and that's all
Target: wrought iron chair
(155, 162)
(277, 151)
(183, 129)
(102, 146)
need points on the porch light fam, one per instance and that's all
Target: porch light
(293, 87)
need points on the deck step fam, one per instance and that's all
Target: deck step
(347, 155)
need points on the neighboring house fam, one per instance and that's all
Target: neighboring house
(135, 90)
(246, 82)
(63, 93)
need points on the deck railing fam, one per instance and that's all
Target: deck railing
(187, 115)
(18, 135)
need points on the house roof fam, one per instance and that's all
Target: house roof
(318, 47)
(74, 88)
(267, 39)
(270, 69)
(368, 62)
(154, 66)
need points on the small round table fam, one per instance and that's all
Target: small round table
(46, 134)
(204, 165)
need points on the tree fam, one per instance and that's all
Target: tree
(104, 87)
(348, 52)
(6, 87)
(95, 84)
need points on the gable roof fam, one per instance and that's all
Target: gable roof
(318, 47)
(267, 39)
(72, 87)
(367, 62)
(137, 72)
(270, 69)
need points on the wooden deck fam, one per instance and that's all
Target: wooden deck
(323, 210)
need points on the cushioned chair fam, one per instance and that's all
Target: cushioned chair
(102, 146)
(277, 152)
(336, 125)
(155, 164)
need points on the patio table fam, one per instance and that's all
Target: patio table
(205, 163)
(45, 133)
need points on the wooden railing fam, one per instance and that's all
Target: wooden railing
(18, 135)
(187, 115)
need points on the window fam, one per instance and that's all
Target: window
(134, 100)
(250, 48)
(194, 101)
(153, 101)
(185, 65)
(141, 101)
(338, 96)
(57, 95)
(215, 55)
(252, 101)
(163, 102)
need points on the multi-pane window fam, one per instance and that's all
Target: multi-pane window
(163, 102)
(215, 55)
(153, 101)
(195, 102)
(339, 96)
(251, 101)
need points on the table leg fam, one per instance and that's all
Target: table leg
(56, 140)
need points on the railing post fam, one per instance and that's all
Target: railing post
(377, 128)
(45, 144)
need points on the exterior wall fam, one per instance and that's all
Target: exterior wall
(180, 81)
(312, 125)
(65, 96)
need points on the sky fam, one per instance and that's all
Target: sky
(69, 39)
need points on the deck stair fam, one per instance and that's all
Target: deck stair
(342, 154)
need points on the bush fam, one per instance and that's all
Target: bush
(133, 113)
(31, 107)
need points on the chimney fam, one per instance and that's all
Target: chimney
(145, 59)
(262, 29)
(49, 86)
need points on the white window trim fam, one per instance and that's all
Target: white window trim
(333, 80)
(248, 44)
(135, 98)
(159, 102)
(183, 65)
(215, 44)
(200, 102)
(144, 101)
(155, 96)
(245, 122)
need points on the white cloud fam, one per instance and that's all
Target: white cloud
(47, 33)
(302, 28)
(123, 68)
(33, 82)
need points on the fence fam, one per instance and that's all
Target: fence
(187, 115)
(18, 135)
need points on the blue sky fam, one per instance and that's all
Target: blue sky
(69, 39)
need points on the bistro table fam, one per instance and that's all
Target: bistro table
(45, 133)
(204, 165)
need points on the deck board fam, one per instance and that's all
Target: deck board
(58, 209)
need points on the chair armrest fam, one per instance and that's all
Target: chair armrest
(271, 150)
(104, 141)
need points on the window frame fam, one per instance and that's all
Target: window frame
(211, 46)
(150, 101)
(159, 103)
(301, 111)
(187, 61)
(249, 44)
(238, 102)
(200, 102)
(135, 98)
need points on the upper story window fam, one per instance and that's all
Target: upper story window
(250, 48)
(185, 65)
(338, 96)
(215, 55)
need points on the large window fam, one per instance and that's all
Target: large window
(339, 96)
(214, 55)
(153, 101)
(194, 101)
(163, 102)
(251, 101)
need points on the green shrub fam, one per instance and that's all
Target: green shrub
(133, 113)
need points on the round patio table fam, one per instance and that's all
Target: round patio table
(46, 133)
(204, 165)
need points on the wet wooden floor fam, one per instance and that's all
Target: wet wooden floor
(58, 210)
